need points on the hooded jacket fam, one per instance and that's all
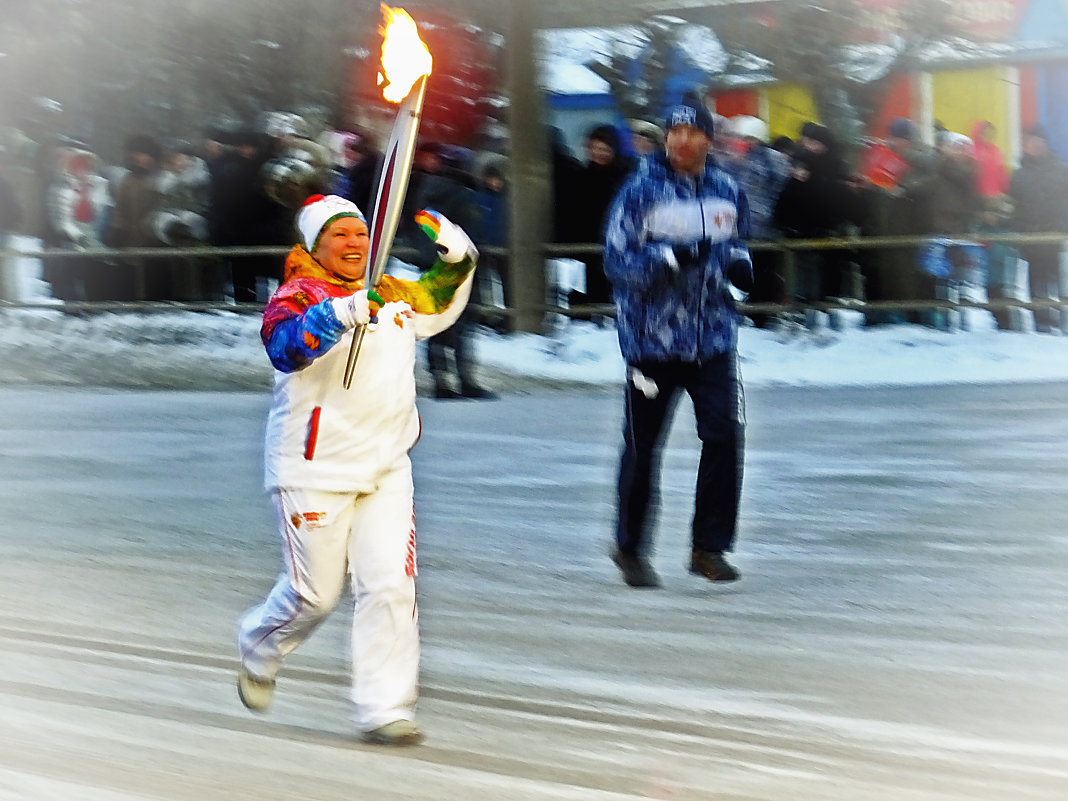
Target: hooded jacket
(991, 176)
(667, 312)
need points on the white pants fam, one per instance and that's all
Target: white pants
(369, 538)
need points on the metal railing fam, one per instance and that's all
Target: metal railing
(789, 249)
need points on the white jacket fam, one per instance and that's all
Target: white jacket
(363, 430)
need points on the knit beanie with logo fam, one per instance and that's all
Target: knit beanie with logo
(691, 111)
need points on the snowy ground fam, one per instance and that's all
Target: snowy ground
(187, 350)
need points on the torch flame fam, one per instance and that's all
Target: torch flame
(405, 58)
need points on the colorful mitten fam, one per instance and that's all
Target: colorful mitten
(451, 241)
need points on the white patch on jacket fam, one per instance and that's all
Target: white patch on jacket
(690, 220)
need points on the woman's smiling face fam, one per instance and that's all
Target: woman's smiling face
(342, 248)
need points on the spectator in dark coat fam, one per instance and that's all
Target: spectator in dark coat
(1039, 190)
(565, 176)
(949, 207)
(360, 181)
(492, 230)
(816, 202)
(137, 197)
(894, 209)
(444, 184)
(181, 221)
(241, 213)
(950, 204)
(603, 174)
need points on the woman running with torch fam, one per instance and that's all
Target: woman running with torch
(337, 460)
(341, 479)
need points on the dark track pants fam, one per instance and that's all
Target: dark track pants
(651, 393)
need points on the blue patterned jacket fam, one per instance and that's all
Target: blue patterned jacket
(667, 312)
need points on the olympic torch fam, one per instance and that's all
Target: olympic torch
(406, 65)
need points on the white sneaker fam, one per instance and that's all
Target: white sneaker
(399, 732)
(255, 694)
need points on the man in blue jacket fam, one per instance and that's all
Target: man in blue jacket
(674, 253)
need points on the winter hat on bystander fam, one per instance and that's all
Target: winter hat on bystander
(903, 128)
(952, 141)
(691, 111)
(319, 211)
(745, 126)
(649, 130)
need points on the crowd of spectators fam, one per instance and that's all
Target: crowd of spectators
(233, 188)
(237, 188)
(948, 197)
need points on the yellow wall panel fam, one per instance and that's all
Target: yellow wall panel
(789, 107)
(963, 97)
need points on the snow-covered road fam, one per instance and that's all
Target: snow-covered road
(898, 632)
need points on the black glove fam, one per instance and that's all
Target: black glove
(740, 273)
(692, 255)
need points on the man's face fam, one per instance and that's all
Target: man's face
(1034, 146)
(143, 161)
(175, 162)
(687, 149)
(342, 248)
(600, 153)
(427, 161)
(643, 145)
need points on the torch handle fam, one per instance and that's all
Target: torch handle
(389, 201)
(354, 353)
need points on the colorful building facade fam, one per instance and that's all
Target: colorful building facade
(1020, 80)
(1020, 83)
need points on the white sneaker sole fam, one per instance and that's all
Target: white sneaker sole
(256, 695)
(399, 732)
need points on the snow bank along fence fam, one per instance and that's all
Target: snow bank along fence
(13, 292)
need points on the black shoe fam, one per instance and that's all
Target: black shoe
(446, 393)
(477, 392)
(712, 566)
(637, 571)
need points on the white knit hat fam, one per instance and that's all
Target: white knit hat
(951, 140)
(319, 211)
(745, 126)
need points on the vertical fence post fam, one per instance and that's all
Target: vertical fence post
(789, 274)
(9, 279)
